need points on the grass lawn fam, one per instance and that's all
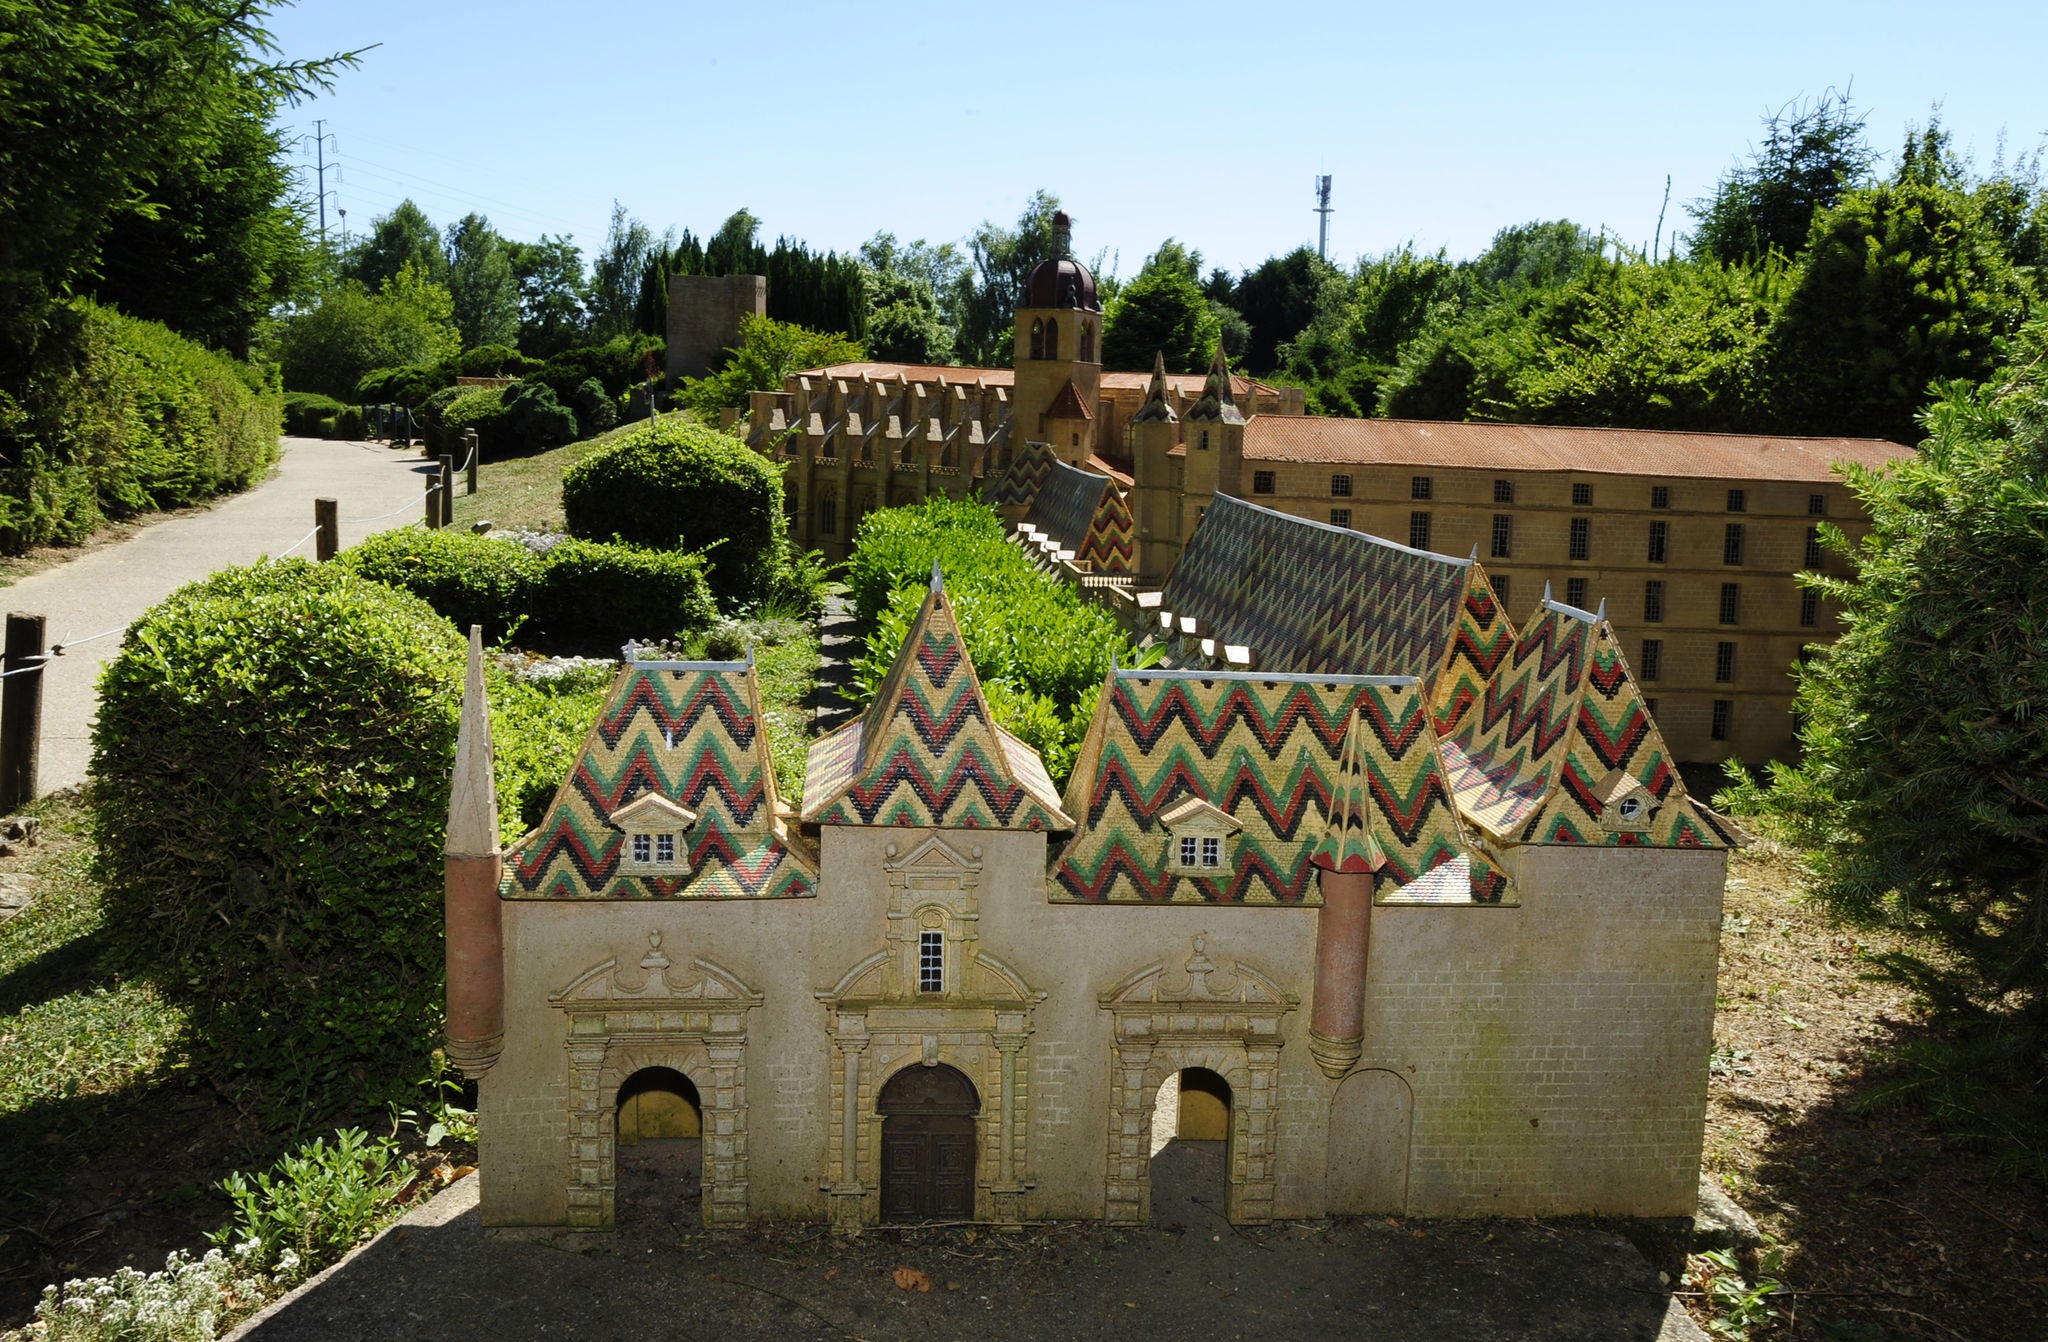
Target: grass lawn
(525, 493)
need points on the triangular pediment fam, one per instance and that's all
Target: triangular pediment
(652, 811)
(1195, 816)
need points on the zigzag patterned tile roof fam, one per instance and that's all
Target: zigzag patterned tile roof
(1064, 508)
(1269, 752)
(690, 733)
(1020, 482)
(1317, 599)
(1111, 545)
(926, 753)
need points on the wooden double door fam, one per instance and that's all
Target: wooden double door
(928, 1145)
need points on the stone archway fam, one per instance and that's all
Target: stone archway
(1229, 1027)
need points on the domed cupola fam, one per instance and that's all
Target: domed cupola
(1061, 281)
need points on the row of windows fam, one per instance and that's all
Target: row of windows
(1731, 603)
(1423, 489)
(1045, 340)
(1723, 710)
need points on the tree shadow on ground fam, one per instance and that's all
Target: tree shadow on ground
(1901, 1230)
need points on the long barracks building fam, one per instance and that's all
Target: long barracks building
(1690, 541)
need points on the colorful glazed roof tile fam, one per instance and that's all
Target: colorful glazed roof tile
(1020, 482)
(926, 753)
(1480, 639)
(1111, 545)
(1319, 599)
(691, 734)
(1086, 515)
(1269, 752)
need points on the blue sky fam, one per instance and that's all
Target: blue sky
(1205, 122)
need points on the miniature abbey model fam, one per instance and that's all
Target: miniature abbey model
(1416, 897)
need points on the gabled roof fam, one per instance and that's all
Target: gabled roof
(1317, 599)
(1064, 508)
(1269, 752)
(1559, 716)
(926, 753)
(690, 733)
(1069, 405)
(1020, 482)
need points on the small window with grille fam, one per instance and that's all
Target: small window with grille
(1653, 659)
(1731, 544)
(1502, 586)
(1817, 505)
(1340, 517)
(1582, 496)
(1660, 538)
(1582, 538)
(1212, 852)
(1731, 603)
(1660, 496)
(1575, 592)
(1418, 530)
(1419, 487)
(1653, 601)
(1724, 662)
(1813, 555)
(1503, 491)
(1809, 609)
(1651, 705)
(1262, 482)
(1340, 486)
(931, 961)
(664, 848)
(1503, 535)
(1738, 501)
(1189, 847)
(643, 849)
(1722, 709)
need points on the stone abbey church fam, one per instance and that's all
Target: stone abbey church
(1435, 936)
(1691, 540)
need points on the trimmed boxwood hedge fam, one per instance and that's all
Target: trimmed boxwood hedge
(672, 483)
(270, 788)
(578, 592)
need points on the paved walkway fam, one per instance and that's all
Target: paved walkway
(109, 587)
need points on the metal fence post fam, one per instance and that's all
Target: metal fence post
(21, 711)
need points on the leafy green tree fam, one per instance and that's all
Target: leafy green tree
(1278, 299)
(329, 347)
(404, 237)
(481, 284)
(104, 108)
(768, 351)
(1162, 311)
(549, 274)
(616, 273)
(1533, 255)
(982, 307)
(1921, 794)
(227, 242)
(903, 323)
(1811, 155)
(1905, 283)
(939, 267)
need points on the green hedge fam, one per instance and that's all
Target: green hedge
(1041, 651)
(271, 785)
(674, 483)
(578, 592)
(305, 412)
(121, 416)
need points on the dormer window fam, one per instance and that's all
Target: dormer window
(1199, 832)
(653, 825)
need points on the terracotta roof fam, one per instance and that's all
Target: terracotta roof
(1543, 447)
(1068, 404)
(1102, 467)
(1187, 384)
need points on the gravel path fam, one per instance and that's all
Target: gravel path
(107, 588)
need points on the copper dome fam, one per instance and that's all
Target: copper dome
(1061, 281)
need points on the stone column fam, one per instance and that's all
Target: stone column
(1008, 1201)
(472, 867)
(1336, 1032)
(849, 1195)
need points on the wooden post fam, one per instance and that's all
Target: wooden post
(21, 712)
(447, 490)
(327, 517)
(469, 441)
(433, 503)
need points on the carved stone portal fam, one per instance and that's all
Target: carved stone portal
(622, 1020)
(1225, 1018)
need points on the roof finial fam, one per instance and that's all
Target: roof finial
(938, 583)
(1062, 234)
(1157, 407)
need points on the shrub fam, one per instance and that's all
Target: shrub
(271, 762)
(329, 347)
(537, 729)
(579, 591)
(189, 1301)
(470, 408)
(532, 421)
(120, 416)
(409, 385)
(314, 1205)
(304, 412)
(619, 363)
(595, 411)
(672, 483)
(493, 361)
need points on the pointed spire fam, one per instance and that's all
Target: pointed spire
(1348, 843)
(938, 581)
(473, 793)
(1157, 408)
(1218, 403)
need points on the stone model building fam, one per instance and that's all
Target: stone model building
(1693, 540)
(1438, 938)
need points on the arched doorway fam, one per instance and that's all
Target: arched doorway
(660, 1152)
(928, 1144)
(1190, 1172)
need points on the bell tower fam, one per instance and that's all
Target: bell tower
(1058, 353)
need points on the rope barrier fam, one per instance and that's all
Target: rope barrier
(57, 649)
(403, 507)
(297, 543)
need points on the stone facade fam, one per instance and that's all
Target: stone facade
(704, 315)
